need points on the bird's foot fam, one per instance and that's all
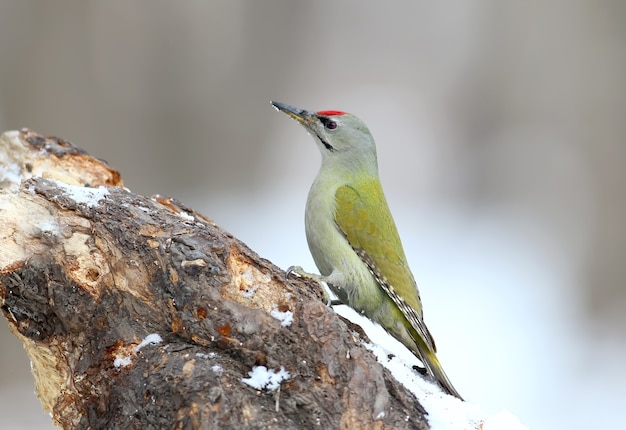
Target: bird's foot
(301, 273)
(317, 278)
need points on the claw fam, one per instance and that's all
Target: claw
(293, 269)
(319, 279)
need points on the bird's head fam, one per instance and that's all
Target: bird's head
(343, 139)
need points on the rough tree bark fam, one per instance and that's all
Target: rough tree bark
(88, 270)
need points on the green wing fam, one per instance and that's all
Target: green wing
(363, 216)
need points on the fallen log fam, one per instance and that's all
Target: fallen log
(139, 312)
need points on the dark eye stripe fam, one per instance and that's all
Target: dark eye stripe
(327, 146)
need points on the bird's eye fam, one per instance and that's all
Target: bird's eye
(328, 123)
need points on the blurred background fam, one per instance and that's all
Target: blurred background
(501, 138)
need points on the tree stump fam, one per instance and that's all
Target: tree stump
(138, 312)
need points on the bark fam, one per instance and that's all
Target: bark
(89, 269)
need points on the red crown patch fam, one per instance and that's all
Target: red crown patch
(331, 113)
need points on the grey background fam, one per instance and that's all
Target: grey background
(502, 146)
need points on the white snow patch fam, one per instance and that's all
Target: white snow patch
(217, 369)
(85, 195)
(502, 420)
(184, 215)
(151, 339)
(126, 360)
(202, 355)
(10, 173)
(380, 416)
(445, 412)
(249, 292)
(49, 225)
(122, 361)
(261, 377)
(285, 318)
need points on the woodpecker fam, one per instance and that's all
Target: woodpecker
(353, 238)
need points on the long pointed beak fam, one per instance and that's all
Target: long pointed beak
(300, 115)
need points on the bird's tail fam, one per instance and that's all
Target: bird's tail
(430, 361)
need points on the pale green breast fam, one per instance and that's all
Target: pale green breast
(332, 253)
